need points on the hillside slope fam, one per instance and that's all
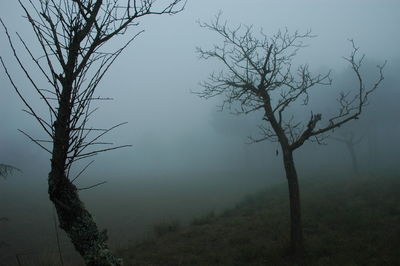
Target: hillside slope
(346, 222)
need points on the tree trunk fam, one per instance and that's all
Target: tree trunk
(354, 163)
(79, 225)
(74, 219)
(296, 228)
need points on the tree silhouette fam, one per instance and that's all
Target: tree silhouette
(72, 35)
(258, 75)
(350, 141)
(6, 170)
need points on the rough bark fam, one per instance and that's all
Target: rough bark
(79, 225)
(74, 219)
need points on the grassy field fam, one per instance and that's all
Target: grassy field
(346, 222)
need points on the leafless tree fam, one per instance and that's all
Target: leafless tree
(257, 75)
(6, 170)
(349, 139)
(74, 58)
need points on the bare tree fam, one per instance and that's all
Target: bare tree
(258, 75)
(349, 139)
(74, 58)
(6, 170)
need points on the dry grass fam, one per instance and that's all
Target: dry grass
(346, 222)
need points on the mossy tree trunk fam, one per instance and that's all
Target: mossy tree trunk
(74, 218)
(73, 61)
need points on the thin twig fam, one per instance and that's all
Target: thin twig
(95, 185)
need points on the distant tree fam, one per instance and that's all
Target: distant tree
(350, 141)
(3, 243)
(6, 170)
(258, 75)
(72, 35)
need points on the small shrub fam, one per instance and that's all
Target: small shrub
(205, 219)
(166, 227)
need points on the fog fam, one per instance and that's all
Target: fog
(187, 157)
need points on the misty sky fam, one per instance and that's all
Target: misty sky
(170, 128)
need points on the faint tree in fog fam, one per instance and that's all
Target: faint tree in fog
(6, 170)
(349, 139)
(72, 35)
(258, 75)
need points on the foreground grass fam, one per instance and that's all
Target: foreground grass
(346, 222)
